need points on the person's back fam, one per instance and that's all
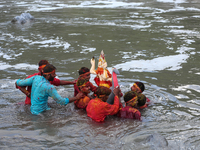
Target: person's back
(98, 108)
(39, 97)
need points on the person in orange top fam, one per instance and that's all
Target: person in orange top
(139, 87)
(131, 103)
(84, 87)
(98, 108)
(56, 81)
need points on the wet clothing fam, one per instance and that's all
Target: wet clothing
(129, 112)
(82, 103)
(55, 82)
(98, 110)
(76, 89)
(41, 90)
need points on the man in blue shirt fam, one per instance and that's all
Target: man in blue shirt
(42, 89)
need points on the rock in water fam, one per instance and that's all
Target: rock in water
(23, 18)
(158, 141)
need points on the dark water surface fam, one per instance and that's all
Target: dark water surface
(153, 41)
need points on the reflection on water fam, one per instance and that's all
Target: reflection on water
(154, 41)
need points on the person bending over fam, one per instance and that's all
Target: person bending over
(42, 89)
(98, 108)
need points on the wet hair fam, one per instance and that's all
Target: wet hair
(129, 95)
(140, 85)
(48, 68)
(83, 70)
(101, 90)
(81, 81)
(43, 62)
(141, 99)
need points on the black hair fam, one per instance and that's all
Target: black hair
(129, 95)
(83, 70)
(101, 90)
(141, 99)
(43, 62)
(48, 68)
(140, 85)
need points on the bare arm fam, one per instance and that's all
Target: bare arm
(23, 89)
(77, 97)
(92, 69)
(63, 82)
(27, 93)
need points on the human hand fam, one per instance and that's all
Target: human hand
(116, 91)
(79, 96)
(28, 95)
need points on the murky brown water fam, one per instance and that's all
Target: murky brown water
(154, 41)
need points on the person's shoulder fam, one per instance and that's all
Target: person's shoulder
(33, 75)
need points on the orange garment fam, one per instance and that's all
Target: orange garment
(98, 110)
(82, 103)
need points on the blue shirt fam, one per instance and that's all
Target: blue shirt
(41, 90)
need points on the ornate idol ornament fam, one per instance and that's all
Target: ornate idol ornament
(103, 77)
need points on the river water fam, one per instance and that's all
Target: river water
(153, 41)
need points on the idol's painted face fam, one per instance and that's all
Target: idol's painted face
(102, 65)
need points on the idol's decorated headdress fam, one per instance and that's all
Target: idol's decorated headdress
(102, 60)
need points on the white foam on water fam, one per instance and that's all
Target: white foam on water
(172, 1)
(186, 87)
(40, 6)
(86, 50)
(21, 66)
(161, 63)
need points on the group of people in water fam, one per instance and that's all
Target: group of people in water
(39, 86)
